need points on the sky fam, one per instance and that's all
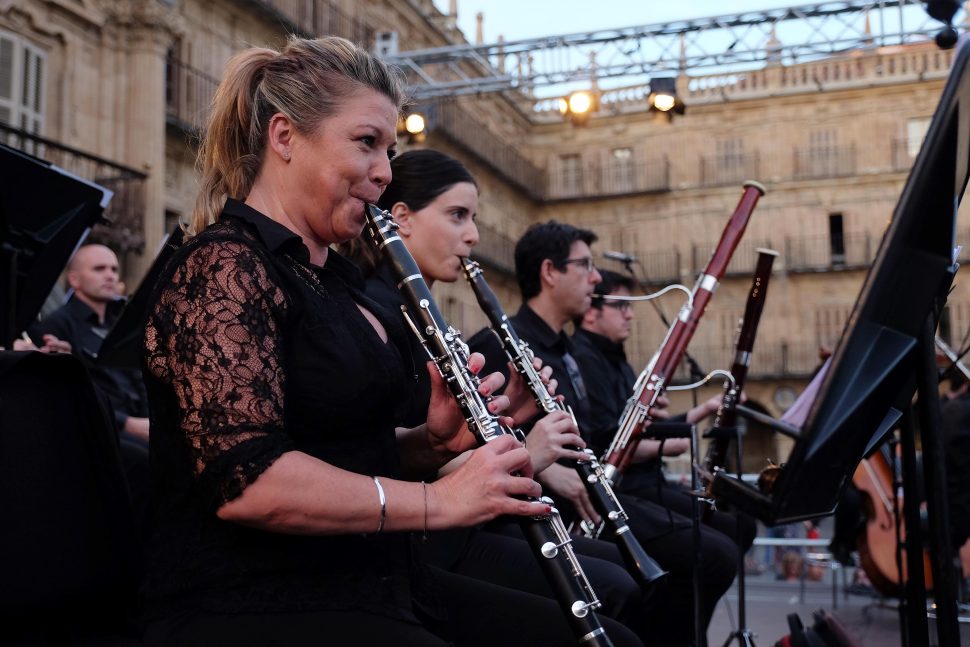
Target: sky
(514, 19)
(522, 19)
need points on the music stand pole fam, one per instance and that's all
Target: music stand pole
(700, 635)
(744, 635)
(934, 470)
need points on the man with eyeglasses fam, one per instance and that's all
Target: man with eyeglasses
(557, 278)
(599, 338)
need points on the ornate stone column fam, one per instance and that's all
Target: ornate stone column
(141, 32)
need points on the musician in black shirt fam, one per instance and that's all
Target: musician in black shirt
(284, 487)
(84, 321)
(599, 337)
(434, 200)
(556, 275)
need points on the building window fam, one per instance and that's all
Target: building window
(836, 239)
(21, 84)
(572, 174)
(619, 173)
(915, 134)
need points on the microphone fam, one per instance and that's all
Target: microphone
(619, 256)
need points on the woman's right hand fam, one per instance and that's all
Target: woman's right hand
(485, 487)
(553, 437)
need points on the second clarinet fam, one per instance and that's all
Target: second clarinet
(648, 572)
(547, 536)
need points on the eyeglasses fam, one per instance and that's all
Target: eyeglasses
(585, 263)
(622, 306)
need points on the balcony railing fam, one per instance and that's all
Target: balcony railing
(503, 158)
(126, 211)
(188, 92)
(821, 162)
(820, 253)
(494, 250)
(902, 158)
(662, 266)
(618, 177)
(318, 18)
(729, 169)
(743, 260)
(770, 360)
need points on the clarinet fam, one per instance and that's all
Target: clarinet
(653, 380)
(726, 417)
(547, 535)
(647, 571)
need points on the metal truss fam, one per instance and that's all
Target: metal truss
(718, 44)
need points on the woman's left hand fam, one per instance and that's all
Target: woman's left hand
(522, 403)
(446, 425)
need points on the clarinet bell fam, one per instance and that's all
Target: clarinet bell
(645, 570)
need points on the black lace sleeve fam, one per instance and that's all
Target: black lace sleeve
(214, 339)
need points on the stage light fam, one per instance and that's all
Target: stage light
(413, 127)
(663, 96)
(414, 123)
(579, 105)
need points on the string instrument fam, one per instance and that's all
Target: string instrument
(877, 543)
(653, 380)
(725, 420)
(647, 571)
(546, 535)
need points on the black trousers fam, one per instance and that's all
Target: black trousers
(480, 614)
(677, 498)
(507, 559)
(668, 538)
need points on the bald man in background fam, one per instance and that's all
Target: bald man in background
(84, 321)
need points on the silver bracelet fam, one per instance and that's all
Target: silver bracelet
(380, 494)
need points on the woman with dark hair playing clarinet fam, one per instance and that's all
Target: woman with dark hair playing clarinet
(285, 487)
(434, 201)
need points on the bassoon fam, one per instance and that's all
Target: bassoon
(654, 379)
(546, 535)
(726, 417)
(647, 571)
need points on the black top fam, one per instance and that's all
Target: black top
(609, 381)
(77, 323)
(555, 349)
(382, 287)
(250, 352)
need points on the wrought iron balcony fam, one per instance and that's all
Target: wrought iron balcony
(494, 250)
(822, 162)
(902, 155)
(771, 359)
(823, 253)
(729, 169)
(743, 260)
(126, 211)
(317, 18)
(188, 92)
(502, 157)
(615, 178)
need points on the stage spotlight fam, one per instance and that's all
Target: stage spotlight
(414, 127)
(579, 105)
(663, 96)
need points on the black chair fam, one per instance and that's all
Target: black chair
(71, 556)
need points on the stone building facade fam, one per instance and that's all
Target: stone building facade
(117, 89)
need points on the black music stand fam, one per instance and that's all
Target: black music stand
(45, 214)
(885, 355)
